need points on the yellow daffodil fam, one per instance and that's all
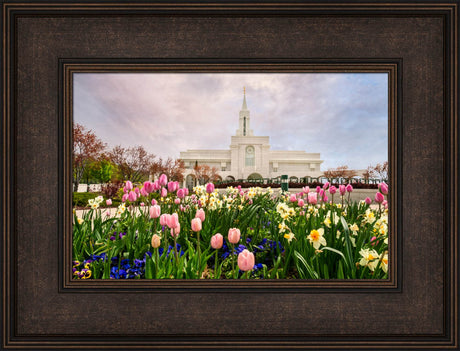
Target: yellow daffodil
(289, 236)
(80, 220)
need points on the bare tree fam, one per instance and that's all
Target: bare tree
(87, 147)
(133, 163)
(340, 172)
(380, 170)
(174, 169)
(204, 174)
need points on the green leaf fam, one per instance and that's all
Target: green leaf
(302, 260)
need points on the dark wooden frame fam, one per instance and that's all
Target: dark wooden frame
(43, 41)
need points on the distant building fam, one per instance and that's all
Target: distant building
(250, 157)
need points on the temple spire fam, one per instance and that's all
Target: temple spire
(245, 106)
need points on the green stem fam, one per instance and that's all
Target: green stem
(216, 265)
(175, 248)
(157, 255)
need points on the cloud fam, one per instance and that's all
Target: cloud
(342, 116)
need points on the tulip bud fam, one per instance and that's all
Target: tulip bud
(368, 200)
(301, 203)
(246, 260)
(217, 241)
(164, 219)
(173, 221)
(342, 189)
(332, 190)
(155, 211)
(325, 186)
(124, 198)
(200, 214)
(128, 185)
(234, 235)
(383, 188)
(209, 188)
(163, 180)
(379, 197)
(181, 193)
(196, 224)
(312, 198)
(164, 192)
(156, 241)
(349, 188)
(132, 196)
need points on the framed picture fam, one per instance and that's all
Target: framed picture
(48, 46)
(294, 234)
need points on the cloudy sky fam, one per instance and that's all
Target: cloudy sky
(342, 116)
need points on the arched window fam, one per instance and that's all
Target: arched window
(250, 156)
(244, 127)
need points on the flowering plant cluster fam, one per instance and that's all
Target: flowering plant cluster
(161, 231)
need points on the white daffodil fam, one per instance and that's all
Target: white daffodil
(316, 238)
(370, 258)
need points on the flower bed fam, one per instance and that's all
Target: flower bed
(162, 232)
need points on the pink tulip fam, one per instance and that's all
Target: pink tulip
(148, 186)
(142, 204)
(163, 180)
(209, 188)
(177, 201)
(325, 198)
(234, 235)
(171, 187)
(155, 211)
(300, 203)
(306, 189)
(373, 242)
(383, 188)
(321, 193)
(164, 219)
(312, 198)
(246, 260)
(332, 190)
(125, 190)
(173, 221)
(132, 196)
(144, 192)
(137, 191)
(124, 198)
(176, 231)
(156, 186)
(128, 185)
(186, 191)
(241, 193)
(318, 189)
(217, 241)
(108, 202)
(368, 200)
(180, 193)
(164, 192)
(325, 186)
(154, 202)
(379, 197)
(349, 188)
(200, 214)
(385, 204)
(196, 224)
(342, 189)
(293, 198)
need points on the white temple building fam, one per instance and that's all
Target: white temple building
(250, 157)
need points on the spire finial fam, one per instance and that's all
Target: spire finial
(244, 107)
